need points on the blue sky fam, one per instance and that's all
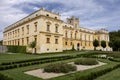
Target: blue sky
(93, 14)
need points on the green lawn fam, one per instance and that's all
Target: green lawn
(21, 56)
(18, 73)
(114, 75)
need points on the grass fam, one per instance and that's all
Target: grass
(18, 73)
(113, 75)
(20, 56)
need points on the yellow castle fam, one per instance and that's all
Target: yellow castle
(52, 34)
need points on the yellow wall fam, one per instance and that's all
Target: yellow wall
(14, 34)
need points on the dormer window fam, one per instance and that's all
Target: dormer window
(55, 17)
(36, 15)
(47, 14)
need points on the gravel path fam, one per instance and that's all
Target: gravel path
(39, 72)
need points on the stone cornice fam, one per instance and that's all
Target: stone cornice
(29, 20)
(49, 33)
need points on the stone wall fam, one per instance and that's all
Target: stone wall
(3, 49)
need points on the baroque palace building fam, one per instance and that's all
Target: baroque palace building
(52, 34)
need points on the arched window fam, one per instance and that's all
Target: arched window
(76, 35)
(56, 28)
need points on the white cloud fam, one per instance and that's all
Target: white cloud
(84, 9)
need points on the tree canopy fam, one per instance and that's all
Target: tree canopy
(95, 43)
(115, 39)
(103, 44)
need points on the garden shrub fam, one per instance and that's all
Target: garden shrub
(86, 61)
(16, 49)
(60, 68)
(3, 77)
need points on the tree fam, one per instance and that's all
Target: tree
(1, 42)
(110, 44)
(73, 47)
(95, 43)
(115, 38)
(103, 44)
(117, 44)
(33, 45)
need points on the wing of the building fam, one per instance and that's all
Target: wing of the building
(51, 33)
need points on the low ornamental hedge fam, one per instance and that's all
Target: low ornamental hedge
(115, 55)
(94, 75)
(39, 59)
(3, 77)
(115, 60)
(60, 68)
(11, 66)
(86, 61)
(16, 49)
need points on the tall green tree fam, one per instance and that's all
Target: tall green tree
(33, 45)
(103, 44)
(1, 42)
(117, 44)
(110, 44)
(115, 38)
(95, 43)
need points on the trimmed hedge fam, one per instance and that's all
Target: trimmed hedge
(111, 59)
(12, 65)
(86, 61)
(60, 68)
(16, 49)
(3, 77)
(94, 75)
(115, 55)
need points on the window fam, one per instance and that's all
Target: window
(89, 43)
(35, 26)
(55, 17)
(18, 32)
(22, 41)
(35, 38)
(75, 25)
(47, 40)
(27, 29)
(71, 34)
(13, 34)
(85, 43)
(22, 30)
(27, 40)
(56, 29)
(66, 34)
(56, 41)
(89, 37)
(65, 43)
(75, 35)
(85, 37)
(71, 43)
(18, 42)
(48, 27)
(47, 14)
